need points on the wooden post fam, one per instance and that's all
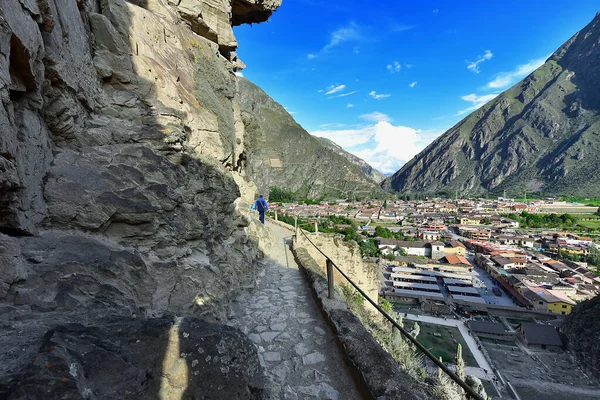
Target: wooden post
(276, 216)
(330, 278)
(316, 227)
(295, 221)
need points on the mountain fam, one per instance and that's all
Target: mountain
(280, 153)
(541, 135)
(122, 216)
(371, 172)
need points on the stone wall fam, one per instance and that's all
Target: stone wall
(123, 192)
(377, 369)
(345, 255)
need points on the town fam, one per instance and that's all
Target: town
(500, 273)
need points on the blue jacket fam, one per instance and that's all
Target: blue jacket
(264, 204)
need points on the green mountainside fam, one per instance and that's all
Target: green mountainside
(541, 135)
(371, 172)
(280, 153)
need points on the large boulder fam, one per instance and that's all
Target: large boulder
(166, 358)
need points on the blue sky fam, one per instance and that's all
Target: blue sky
(384, 78)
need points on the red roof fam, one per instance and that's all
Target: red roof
(454, 259)
(514, 292)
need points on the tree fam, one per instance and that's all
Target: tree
(277, 194)
(382, 232)
(415, 330)
(385, 305)
(390, 257)
(459, 362)
(385, 205)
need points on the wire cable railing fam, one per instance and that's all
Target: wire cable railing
(471, 393)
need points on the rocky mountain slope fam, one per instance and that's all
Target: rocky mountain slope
(371, 172)
(122, 199)
(281, 153)
(543, 134)
(582, 328)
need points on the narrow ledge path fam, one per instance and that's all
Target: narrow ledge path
(295, 345)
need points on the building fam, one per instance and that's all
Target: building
(493, 330)
(455, 247)
(433, 250)
(456, 260)
(549, 300)
(540, 336)
(476, 234)
(426, 234)
(470, 221)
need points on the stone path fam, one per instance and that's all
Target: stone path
(296, 347)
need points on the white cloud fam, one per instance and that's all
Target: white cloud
(435, 11)
(239, 73)
(408, 65)
(375, 116)
(384, 146)
(333, 125)
(346, 137)
(349, 105)
(334, 89)
(477, 101)
(474, 65)
(505, 79)
(320, 91)
(356, 50)
(412, 85)
(376, 96)
(311, 56)
(394, 67)
(289, 112)
(344, 94)
(344, 34)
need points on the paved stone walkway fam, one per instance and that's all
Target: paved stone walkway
(295, 345)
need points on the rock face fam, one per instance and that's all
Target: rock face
(123, 187)
(281, 153)
(371, 172)
(543, 134)
(188, 357)
(582, 329)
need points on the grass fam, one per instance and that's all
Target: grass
(595, 202)
(590, 224)
(444, 346)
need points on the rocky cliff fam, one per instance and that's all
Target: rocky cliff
(122, 197)
(582, 328)
(543, 134)
(371, 172)
(281, 153)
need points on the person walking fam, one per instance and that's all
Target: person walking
(261, 206)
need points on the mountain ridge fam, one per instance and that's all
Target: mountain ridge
(373, 173)
(280, 153)
(539, 135)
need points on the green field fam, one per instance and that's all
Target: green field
(594, 224)
(444, 346)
